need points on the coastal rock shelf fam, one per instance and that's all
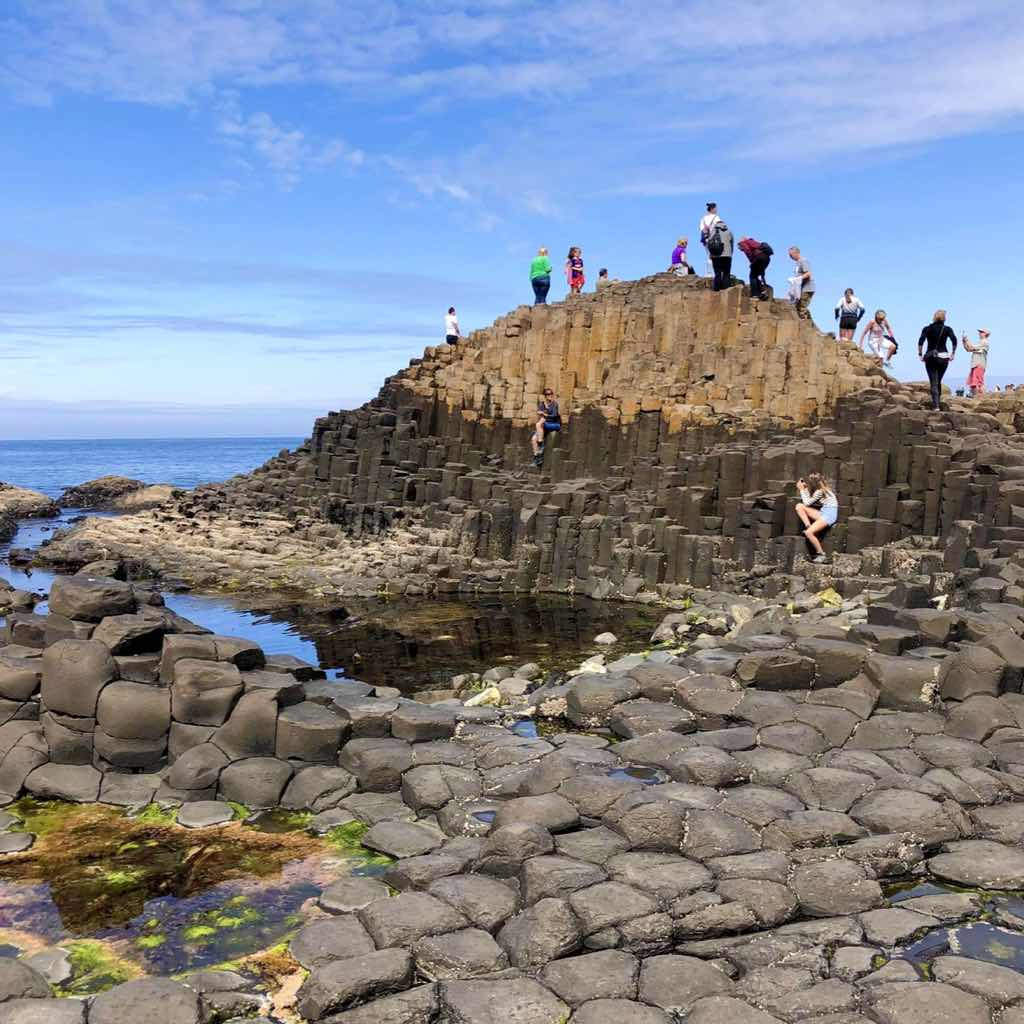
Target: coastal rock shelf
(808, 817)
(688, 415)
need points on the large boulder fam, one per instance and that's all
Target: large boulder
(79, 783)
(905, 684)
(309, 732)
(148, 999)
(74, 674)
(91, 598)
(99, 493)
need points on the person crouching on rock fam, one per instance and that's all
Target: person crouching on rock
(548, 419)
(818, 509)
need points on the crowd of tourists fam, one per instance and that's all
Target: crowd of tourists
(818, 507)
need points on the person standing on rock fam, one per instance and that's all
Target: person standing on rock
(849, 310)
(574, 276)
(818, 509)
(707, 222)
(931, 350)
(720, 246)
(540, 276)
(880, 337)
(549, 419)
(979, 362)
(803, 283)
(760, 255)
(451, 327)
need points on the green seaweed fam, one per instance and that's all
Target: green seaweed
(154, 814)
(198, 933)
(95, 968)
(348, 837)
(41, 817)
(154, 941)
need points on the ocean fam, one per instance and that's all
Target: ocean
(51, 466)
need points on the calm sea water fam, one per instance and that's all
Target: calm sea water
(50, 466)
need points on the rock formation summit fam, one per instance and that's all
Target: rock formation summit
(688, 415)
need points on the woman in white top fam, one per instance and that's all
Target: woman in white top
(849, 310)
(878, 333)
(451, 327)
(818, 509)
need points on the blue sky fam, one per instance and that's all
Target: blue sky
(228, 216)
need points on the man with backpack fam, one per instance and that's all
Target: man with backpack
(719, 246)
(760, 255)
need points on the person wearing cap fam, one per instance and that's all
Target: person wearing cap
(979, 361)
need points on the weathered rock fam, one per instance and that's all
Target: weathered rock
(318, 789)
(520, 1000)
(980, 863)
(77, 783)
(835, 887)
(408, 917)
(484, 902)
(348, 895)
(199, 768)
(204, 692)
(608, 974)
(469, 953)
(544, 932)
(134, 711)
(341, 983)
(676, 983)
(335, 938)
(43, 1011)
(74, 672)
(204, 814)
(308, 732)
(20, 981)
(91, 598)
(378, 764)
(925, 1003)
(255, 781)
(401, 839)
(148, 999)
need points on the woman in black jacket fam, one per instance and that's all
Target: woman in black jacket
(931, 350)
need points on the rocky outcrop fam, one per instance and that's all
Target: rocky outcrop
(688, 416)
(150, 496)
(22, 503)
(99, 493)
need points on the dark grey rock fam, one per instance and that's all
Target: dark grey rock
(640, 717)
(997, 985)
(318, 789)
(134, 711)
(204, 692)
(519, 1000)
(544, 932)
(484, 902)
(43, 1011)
(335, 938)
(591, 698)
(342, 983)
(666, 876)
(834, 887)
(348, 895)
(715, 834)
(309, 732)
(130, 634)
(675, 983)
(90, 598)
(129, 753)
(77, 783)
(416, 1006)
(980, 863)
(608, 974)
(205, 813)
(255, 782)
(619, 1011)
(468, 953)
(16, 842)
(403, 919)
(893, 810)
(925, 1003)
(419, 723)
(401, 839)
(610, 904)
(251, 728)
(74, 672)
(378, 764)
(148, 999)
(198, 768)
(550, 811)
(554, 876)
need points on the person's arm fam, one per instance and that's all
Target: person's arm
(967, 344)
(865, 332)
(838, 305)
(952, 337)
(921, 342)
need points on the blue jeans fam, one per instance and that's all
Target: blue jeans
(541, 286)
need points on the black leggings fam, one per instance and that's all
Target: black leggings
(936, 368)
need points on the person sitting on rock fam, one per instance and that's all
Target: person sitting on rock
(818, 509)
(548, 419)
(679, 265)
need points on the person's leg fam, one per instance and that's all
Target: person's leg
(803, 306)
(811, 533)
(537, 298)
(538, 436)
(755, 281)
(935, 370)
(721, 278)
(804, 512)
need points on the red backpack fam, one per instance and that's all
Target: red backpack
(751, 248)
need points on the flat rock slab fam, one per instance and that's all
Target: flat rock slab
(402, 920)
(619, 1011)
(16, 842)
(334, 938)
(926, 1003)
(980, 863)
(401, 839)
(513, 1001)
(43, 1011)
(204, 814)
(148, 999)
(348, 895)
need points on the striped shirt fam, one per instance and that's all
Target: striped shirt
(820, 499)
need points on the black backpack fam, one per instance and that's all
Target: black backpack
(767, 250)
(715, 244)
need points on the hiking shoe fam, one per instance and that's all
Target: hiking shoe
(819, 560)
(538, 460)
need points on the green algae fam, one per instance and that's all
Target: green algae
(95, 968)
(41, 817)
(278, 820)
(151, 941)
(198, 933)
(348, 838)
(154, 814)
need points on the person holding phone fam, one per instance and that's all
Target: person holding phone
(818, 509)
(932, 351)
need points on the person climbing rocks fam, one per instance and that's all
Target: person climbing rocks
(849, 310)
(880, 338)
(818, 509)
(720, 246)
(451, 327)
(979, 362)
(931, 350)
(574, 276)
(802, 284)
(540, 276)
(707, 222)
(679, 264)
(760, 255)
(549, 419)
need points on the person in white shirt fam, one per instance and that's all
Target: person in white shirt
(881, 339)
(451, 327)
(818, 509)
(707, 223)
(849, 310)
(979, 361)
